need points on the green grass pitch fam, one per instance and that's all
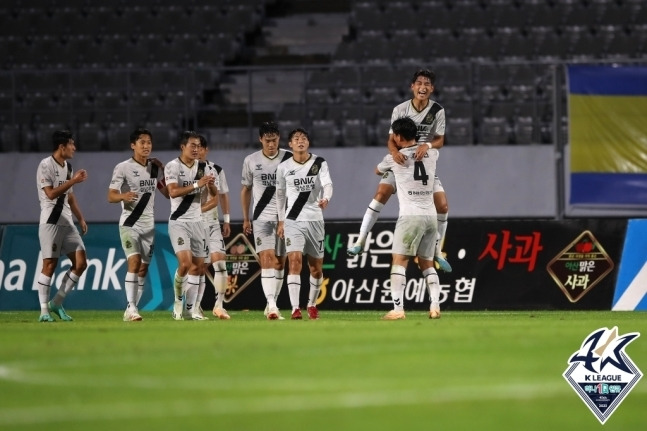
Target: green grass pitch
(347, 371)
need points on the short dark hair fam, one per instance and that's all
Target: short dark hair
(298, 130)
(268, 128)
(138, 132)
(426, 73)
(405, 127)
(203, 141)
(61, 137)
(186, 135)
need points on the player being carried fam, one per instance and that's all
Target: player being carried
(429, 118)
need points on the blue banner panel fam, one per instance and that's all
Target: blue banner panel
(631, 287)
(101, 287)
(607, 136)
(609, 189)
(607, 80)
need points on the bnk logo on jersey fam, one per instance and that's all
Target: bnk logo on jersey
(601, 372)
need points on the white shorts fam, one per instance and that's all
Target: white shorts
(216, 241)
(305, 236)
(58, 240)
(415, 235)
(189, 235)
(265, 237)
(389, 178)
(134, 242)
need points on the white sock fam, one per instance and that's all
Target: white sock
(268, 283)
(69, 281)
(398, 280)
(201, 287)
(130, 286)
(279, 274)
(315, 287)
(44, 283)
(220, 281)
(370, 217)
(442, 229)
(294, 288)
(193, 284)
(141, 282)
(433, 285)
(178, 286)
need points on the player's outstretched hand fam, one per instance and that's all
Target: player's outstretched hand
(323, 203)
(421, 151)
(398, 157)
(157, 162)
(80, 176)
(84, 226)
(130, 196)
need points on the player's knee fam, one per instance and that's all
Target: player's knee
(80, 266)
(383, 194)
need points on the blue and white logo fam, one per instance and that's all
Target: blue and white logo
(601, 372)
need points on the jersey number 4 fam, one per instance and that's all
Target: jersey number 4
(420, 173)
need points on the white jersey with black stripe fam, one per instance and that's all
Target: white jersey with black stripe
(415, 181)
(132, 176)
(430, 121)
(211, 216)
(51, 173)
(259, 173)
(187, 207)
(303, 184)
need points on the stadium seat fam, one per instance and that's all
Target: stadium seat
(354, 132)
(324, 132)
(459, 131)
(523, 130)
(495, 131)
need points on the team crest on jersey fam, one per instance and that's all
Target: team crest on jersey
(128, 244)
(429, 118)
(314, 169)
(601, 372)
(258, 241)
(200, 173)
(180, 241)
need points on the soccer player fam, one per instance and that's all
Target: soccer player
(56, 231)
(259, 180)
(303, 190)
(417, 225)
(429, 117)
(133, 185)
(217, 254)
(186, 179)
